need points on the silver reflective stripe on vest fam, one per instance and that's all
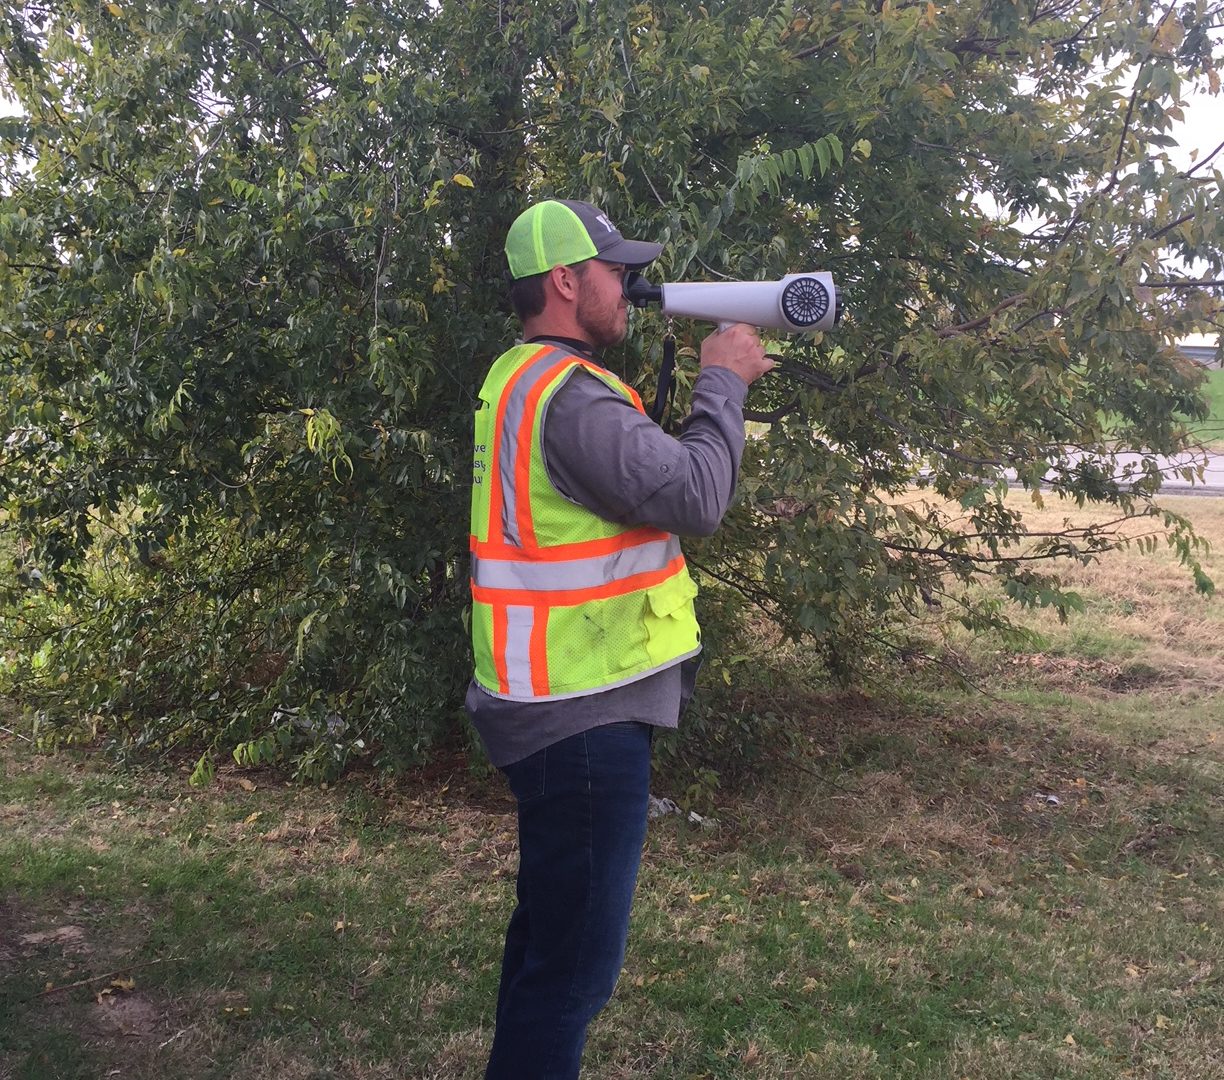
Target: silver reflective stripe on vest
(567, 574)
(516, 406)
(519, 621)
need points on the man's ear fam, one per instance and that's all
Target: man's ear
(564, 282)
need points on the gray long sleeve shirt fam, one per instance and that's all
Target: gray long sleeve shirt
(602, 453)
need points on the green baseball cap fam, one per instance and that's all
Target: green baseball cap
(561, 232)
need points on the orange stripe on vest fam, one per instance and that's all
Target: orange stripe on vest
(522, 461)
(495, 495)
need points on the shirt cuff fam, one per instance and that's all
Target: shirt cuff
(724, 381)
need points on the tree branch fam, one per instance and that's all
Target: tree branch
(974, 324)
(312, 55)
(1199, 164)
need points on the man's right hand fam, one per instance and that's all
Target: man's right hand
(739, 348)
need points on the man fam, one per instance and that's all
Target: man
(582, 617)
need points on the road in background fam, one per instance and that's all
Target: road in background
(1172, 468)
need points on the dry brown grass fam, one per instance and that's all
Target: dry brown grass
(1144, 627)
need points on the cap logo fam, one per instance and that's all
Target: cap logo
(603, 220)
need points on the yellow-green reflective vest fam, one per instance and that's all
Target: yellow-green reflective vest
(564, 603)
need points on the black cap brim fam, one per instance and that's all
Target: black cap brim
(634, 254)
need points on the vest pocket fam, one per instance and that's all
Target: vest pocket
(673, 593)
(671, 628)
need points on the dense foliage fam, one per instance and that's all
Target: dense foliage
(251, 276)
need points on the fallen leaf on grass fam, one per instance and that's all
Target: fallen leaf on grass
(107, 996)
(245, 784)
(696, 898)
(1070, 1040)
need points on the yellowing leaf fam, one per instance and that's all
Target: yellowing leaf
(1162, 1022)
(250, 818)
(1070, 1040)
(114, 9)
(463, 180)
(128, 984)
(696, 898)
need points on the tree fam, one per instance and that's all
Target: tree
(250, 276)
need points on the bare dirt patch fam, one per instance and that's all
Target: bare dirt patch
(127, 1016)
(85, 988)
(69, 938)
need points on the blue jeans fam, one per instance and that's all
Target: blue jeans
(582, 820)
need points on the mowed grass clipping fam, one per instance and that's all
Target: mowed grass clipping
(1019, 881)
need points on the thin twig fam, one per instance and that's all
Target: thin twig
(312, 53)
(1199, 164)
(974, 324)
(109, 975)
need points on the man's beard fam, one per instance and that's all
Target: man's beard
(603, 327)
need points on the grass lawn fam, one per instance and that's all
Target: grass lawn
(1024, 881)
(1211, 430)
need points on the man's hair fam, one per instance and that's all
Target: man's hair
(527, 293)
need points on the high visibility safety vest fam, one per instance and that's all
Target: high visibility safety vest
(564, 603)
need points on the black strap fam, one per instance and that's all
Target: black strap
(665, 390)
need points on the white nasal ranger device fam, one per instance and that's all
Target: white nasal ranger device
(796, 304)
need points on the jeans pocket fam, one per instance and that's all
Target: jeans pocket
(526, 777)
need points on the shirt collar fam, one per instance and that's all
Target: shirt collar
(582, 348)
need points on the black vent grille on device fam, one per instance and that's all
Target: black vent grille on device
(805, 301)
